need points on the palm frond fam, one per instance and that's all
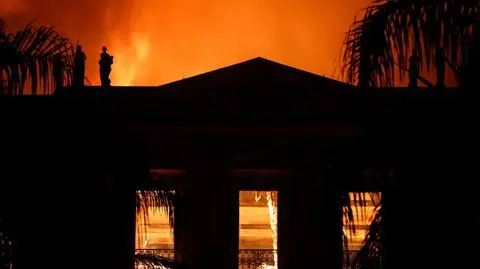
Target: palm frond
(391, 30)
(355, 209)
(467, 71)
(27, 58)
(156, 201)
(372, 246)
(354, 205)
(150, 261)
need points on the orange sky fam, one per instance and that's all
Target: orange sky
(155, 41)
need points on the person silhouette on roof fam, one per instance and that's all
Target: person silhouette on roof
(106, 62)
(58, 68)
(79, 67)
(413, 70)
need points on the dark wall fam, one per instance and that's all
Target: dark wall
(66, 186)
(68, 169)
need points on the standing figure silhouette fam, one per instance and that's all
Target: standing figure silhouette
(58, 67)
(413, 70)
(106, 62)
(79, 67)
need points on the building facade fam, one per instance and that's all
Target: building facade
(76, 159)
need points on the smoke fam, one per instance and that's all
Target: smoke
(12, 6)
(157, 41)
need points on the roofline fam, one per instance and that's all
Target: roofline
(256, 59)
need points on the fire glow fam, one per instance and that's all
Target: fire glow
(171, 41)
(155, 42)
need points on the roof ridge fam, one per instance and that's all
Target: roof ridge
(257, 59)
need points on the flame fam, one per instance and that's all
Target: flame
(171, 40)
(130, 60)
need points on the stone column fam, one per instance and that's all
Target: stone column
(205, 227)
(287, 245)
(225, 225)
(193, 221)
(329, 229)
(297, 232)
(310, 223)
(122, 224)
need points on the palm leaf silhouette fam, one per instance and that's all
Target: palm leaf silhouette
(391, 30)
(27, 59)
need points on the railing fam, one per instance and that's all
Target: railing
(255, 258)
(351, 261)
(166, 253)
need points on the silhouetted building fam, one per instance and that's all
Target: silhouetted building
(74, 161)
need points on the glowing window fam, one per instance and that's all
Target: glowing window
(154, 234)
(364, 209)
(258, 229)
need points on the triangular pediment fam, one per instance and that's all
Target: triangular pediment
(255, 76)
